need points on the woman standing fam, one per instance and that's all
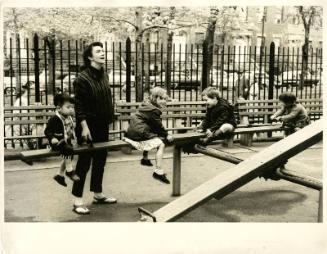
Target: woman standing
(94, 112)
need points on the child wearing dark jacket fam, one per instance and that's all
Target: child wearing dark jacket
(293, 115)
(146, 131)
(60, 133)
(219, 120)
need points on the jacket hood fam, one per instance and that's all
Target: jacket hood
(145, 107)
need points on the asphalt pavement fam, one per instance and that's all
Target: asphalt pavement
(31, 194)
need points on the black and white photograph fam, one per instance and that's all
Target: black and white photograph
(152, 113)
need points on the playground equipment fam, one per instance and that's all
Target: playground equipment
(263, 163)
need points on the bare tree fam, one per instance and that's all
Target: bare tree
(310, 16)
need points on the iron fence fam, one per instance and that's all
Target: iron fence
(185, 70)
(57, 66)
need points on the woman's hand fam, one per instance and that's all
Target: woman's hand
(86, 134)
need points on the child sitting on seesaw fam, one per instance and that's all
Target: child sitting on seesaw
(293, 115)
(146, 131)
(60, 133)
(219, 120)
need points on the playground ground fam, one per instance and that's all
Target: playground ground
(31, 195)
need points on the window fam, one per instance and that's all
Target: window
(199, 38)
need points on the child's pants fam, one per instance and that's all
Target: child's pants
(225, 128)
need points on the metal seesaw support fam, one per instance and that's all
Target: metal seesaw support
(230, 180)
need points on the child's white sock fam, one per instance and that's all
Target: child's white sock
(159, 171)
(78, 201)
(69, 166)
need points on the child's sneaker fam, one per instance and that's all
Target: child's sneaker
(60, 179)
(146, 162)
(161, 178)
(72, 176)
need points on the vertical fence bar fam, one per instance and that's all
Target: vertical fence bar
(136, 71)
(28, 70)
(283, 69)
(69, 76)
(239, 73)
(52, 50)
(36, 67)
(297, 70)
(155, 65)
(45, 71)
(120, 71)
(217, 68)
(179, 70)
(11, 72)
(311, 78)
(128, 70)
(292, 67)
(233, 86)
(288, 67)
(221, 82)
(271, 71)
(197, 68)
(320, 87)
(186, 74)
(19, 80)
(148, 81)
(168, 69)
(191, 69)
(254, 72)
(173, 65)
(76, 58)
(61, 67)
(204, 65)
(143, 72)
(265, 68)
(106, 55)
(18, 50)
(161, 63)
(228, 59)
(316, 72)
(113, 72)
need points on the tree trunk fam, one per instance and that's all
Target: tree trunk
(305, 56)
(209, 38)
(168, 63)
(147, 56)
(16, 59)
(51, 64)
(138, 64)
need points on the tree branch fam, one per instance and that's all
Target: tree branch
(121, 20)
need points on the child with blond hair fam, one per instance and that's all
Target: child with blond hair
(146, 131)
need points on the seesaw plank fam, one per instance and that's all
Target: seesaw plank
(44, 153)
(242, 173)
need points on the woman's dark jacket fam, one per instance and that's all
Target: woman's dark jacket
(146, 124)
(93, 102)
(219, 114)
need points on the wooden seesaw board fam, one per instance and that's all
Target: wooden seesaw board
(110, 145)
(236, 177)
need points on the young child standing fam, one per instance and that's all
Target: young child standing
(219, 119)
(60, 133)
(146, 131)
(293, 115)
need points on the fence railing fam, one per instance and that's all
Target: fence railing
(56, 64)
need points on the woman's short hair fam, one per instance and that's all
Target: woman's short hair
(88, 52)
(287, 97)
(211, 92)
